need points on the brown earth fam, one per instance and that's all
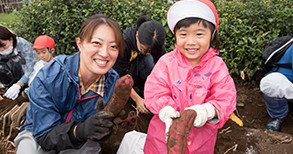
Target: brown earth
(232, 139)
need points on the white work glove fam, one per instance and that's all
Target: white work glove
(166, 114)
(204, 113)
(12, 92)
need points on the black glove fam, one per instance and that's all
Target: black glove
(95, 127)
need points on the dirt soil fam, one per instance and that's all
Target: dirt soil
(252, 138)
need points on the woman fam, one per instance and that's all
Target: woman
(64, 94)
(144, 44)
(16, 62)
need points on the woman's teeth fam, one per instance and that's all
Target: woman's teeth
(101, 61)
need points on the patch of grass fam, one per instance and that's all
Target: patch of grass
(8, 20)
(240, 103)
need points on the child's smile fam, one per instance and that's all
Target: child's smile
(191, 50)
(193, 42)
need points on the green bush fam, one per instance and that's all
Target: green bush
(8, 20)
(62, 19)
(246, 27)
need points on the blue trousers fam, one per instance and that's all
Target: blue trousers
(276, 107)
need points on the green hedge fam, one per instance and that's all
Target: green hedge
(8, 20)
(61, 19)
(246, 27)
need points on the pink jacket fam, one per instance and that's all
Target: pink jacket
(176, 83)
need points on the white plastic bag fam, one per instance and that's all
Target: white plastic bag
(132, 143)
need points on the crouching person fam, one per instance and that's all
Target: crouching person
(63, 95)
(277, 85)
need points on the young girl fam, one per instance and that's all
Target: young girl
(190, 77)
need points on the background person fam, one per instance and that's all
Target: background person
(44, 47)
(144, 44)
(277, 85)
(63, 95)
(16, 62)
(191, 77)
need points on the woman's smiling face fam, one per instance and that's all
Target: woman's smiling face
(99, 54)
(193, 42)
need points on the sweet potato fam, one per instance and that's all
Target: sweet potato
(179, 130)
(120, 96)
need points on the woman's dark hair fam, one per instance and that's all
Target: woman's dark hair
(6, 34)
(151, 34)
(90, 24)
(215, 38)
(141, 20)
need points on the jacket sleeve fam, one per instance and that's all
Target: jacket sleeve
(48, 128)
(42, 107)
(157, 91)
(60, 138)
(222, 94)
(38, 65)
(30, 57)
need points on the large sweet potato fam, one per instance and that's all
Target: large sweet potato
(120, 96)
(179, 131)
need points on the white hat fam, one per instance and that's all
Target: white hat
(203, 9)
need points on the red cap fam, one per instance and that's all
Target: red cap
(43, 41)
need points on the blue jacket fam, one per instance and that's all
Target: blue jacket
(55, 91)
(286, 58)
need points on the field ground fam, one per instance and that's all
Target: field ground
(252, 138)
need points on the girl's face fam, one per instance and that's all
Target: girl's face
(44, 54)
(99, 54)
(193, 42)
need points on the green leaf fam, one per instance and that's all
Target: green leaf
(240, 104)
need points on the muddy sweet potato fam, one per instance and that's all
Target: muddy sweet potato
(116, 106)
(120, 96)
(179, 130)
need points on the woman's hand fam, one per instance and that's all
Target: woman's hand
(140, 105)
(13, 91)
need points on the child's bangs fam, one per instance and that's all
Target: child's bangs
(192, 20)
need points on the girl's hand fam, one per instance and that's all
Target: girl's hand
(167, 114)
(205, 112)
